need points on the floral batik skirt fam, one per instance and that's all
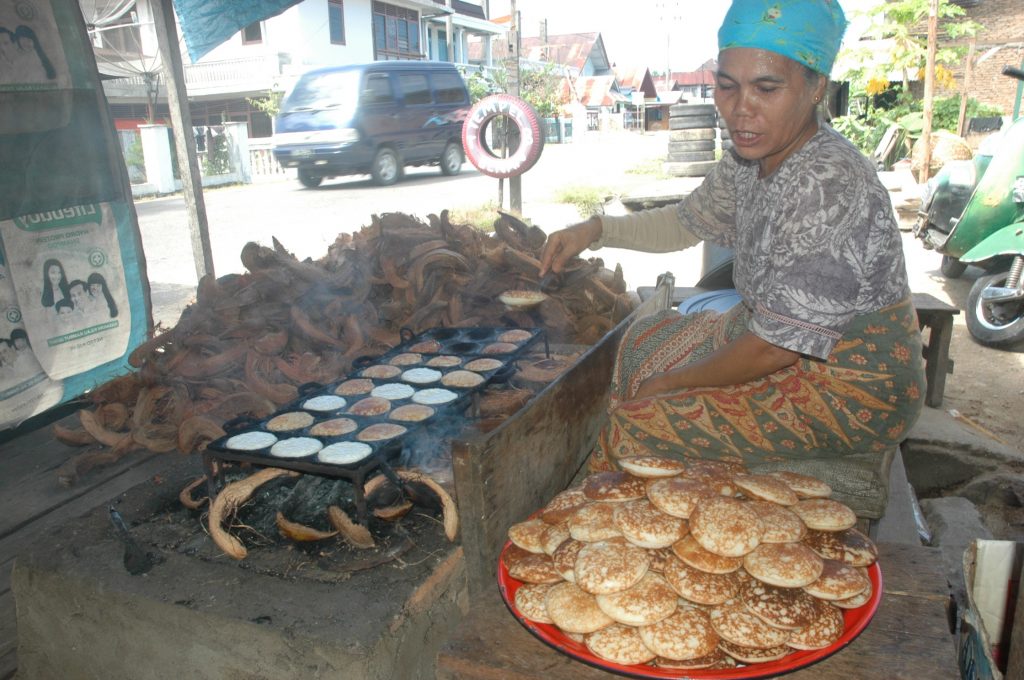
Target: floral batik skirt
(863, 399)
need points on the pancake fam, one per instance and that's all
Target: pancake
(787, 565)
(613, 487)
(421, 376)
(765, 488)
(574, 610)
(644, 525)
(462, 379)
(553, 536)
(484, 365)
(515, 335)
(685, 635)
(530, 599)
(736, 624)
(725, 526)
(288, 422)
(512, 554)
(344, 453)
(700, 587)
(660, 558)
(825, 514)
(411, 413)
(370, 406)
(324, 402)
(444, 361)
(428, 346)
(779, 524)
(529, 535)
(805, 486)
(693, 555)
(564, 558)
(354, 387)
(838, 581)
(858, 600)
(594, 522)
(619, 644)
(754, 655)
(335, 427)
(716, 474)
(822, 632)
(406, 359)
(651, 466)
(434, 396)
(380, 432)
(381, 371)
(649, 601)
(563, 506)
(849, 547)
(608, 567)
(717, 656)
(786, 608)
(499, 348)
(296, 447)
(250, 441)
(393, 391)
(534, 568)
(677, 497)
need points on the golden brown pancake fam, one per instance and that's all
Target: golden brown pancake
(553, 536)
(499, 348)
(484, 365)
(411, 413)
(805, 486)
(651, 466)
(698, 586)
(370, 406)
(734, 623)
(515, 335)
(787, 565)
(380, 431)
(444, 361)
(335, 427)
(649, 601)
(685, 635)
(780, 524)
(610, 566)
(644, 525)
(822, 632)
(613, 487)
(838, 581)
(850, 546)
(564, 558)
(765, 488)
(529, 535)
(406, 359)
(753, 655)
(707, 661)
(530, 601)
(354, 386)
(563, 506)
(693, 555)
(381, 371)
(677, 497)
(462, 379)
(619, 644)
(574, 610)
(825, 514)
(288, 422)
(534, 569)
(725, 526)
(594, 522)
(857, 600)
(786, 608)
(427, 346)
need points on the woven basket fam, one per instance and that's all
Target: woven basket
(946, 146)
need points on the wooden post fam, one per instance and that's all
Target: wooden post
(965, 94)
(929, 90)
(515, 183)
(449, 30)
(181, 121)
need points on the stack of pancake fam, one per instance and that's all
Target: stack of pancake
(696, 565)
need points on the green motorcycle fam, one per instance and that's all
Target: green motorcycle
(973, 213)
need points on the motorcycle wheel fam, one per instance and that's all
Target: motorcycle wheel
(998, 325)
(951, 267)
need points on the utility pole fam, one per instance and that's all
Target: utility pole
(929, 90)
(515, 183)
(961, 122)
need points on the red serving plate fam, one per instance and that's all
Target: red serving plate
(856, 621)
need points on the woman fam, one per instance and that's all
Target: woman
(98, 288)
(55, 283)
(823, 356)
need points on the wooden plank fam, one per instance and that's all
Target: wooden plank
(908, 637)
(898, 524)
(8, 635)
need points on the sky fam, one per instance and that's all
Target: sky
(659, 34)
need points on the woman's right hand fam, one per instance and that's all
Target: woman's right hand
(563, 245)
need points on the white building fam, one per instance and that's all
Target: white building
(270, 55)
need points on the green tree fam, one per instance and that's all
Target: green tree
(540, 85)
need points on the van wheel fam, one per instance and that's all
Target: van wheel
(451, 159)
(309, 180)
(386, 167)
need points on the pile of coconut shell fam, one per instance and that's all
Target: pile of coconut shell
(251, 339)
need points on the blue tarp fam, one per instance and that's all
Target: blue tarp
(205, 24)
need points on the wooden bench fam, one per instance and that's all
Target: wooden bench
(932, 314)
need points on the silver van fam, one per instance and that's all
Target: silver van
(372, 118)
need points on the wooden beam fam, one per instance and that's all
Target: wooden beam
(515, 183)
(965, 94)
(181, 120)
(929, 90)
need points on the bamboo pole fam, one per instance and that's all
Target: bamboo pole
(929, 90)
(965, 94)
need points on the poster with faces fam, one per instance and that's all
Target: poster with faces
(31, 52)
(25, 389)
(69, 280)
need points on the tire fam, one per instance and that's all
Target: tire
(677, 110)
(451, 159)
(685, 147)
(690, 156)
(724, 133)
(697, 169)
(694, 135)
(951, 267)
(308, 179)
(523, 117)
(691, 122)
(1000, 325)
(386, 167)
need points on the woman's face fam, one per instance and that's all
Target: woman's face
(54, 274)
(768, 104)
(95, 290)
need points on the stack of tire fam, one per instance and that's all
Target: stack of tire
(723, 135)
(691, 141)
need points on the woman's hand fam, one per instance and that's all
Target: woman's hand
(563, 245)
(652, 387)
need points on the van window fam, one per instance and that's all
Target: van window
(377, 89)
(448, 88)
(414, 88)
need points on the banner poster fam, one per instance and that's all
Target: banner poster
(25, 389)
(70, 282)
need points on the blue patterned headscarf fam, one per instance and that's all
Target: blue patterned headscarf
(807, 31)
